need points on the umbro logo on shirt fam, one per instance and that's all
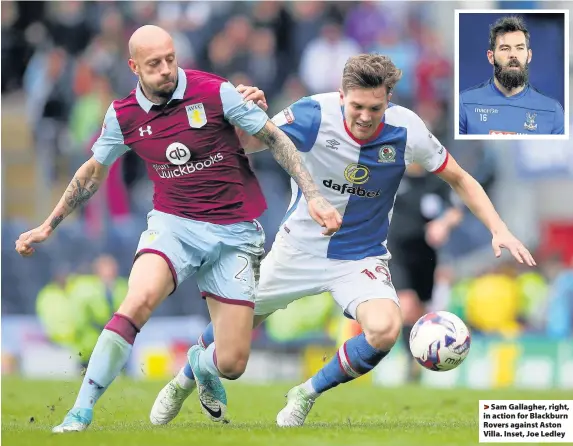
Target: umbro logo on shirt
(332, 143)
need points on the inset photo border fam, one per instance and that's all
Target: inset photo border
(481, 108)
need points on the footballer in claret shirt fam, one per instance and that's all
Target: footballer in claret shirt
(507, 104)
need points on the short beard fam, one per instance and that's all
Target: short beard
(163, 95)
(511, 79)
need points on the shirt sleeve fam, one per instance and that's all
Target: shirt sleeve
(424, 147)
(559, 121)
(240, 113)
(109, 146)
(300, 122)
(463, 130)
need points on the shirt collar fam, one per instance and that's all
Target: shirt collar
(179, 92)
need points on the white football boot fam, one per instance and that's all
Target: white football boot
(297, 408)
(169, 402)
(76, 420)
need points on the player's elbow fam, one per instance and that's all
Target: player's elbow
(92, 168)
(249, 143)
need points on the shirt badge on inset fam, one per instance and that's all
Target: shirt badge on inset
(196, 115)
(530, 121)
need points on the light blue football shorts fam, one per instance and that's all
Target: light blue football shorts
(225, 258)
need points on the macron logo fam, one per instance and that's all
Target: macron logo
(142, 130)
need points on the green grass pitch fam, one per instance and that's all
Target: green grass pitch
(354, 414)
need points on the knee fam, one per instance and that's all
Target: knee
(232, 364)
(382, 333)
(139, 305)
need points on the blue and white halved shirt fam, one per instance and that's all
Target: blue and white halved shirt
(359, 178)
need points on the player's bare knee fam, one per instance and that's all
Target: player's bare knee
(233, 364)
(381, 321)
(382, 332)
(382, 336)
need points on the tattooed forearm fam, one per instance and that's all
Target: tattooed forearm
(56, 221)
(288, 157)
(79, 191)
(83, 186)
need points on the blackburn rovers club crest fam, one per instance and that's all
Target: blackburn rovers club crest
(530, 121)
(196, 115)
(386, 154)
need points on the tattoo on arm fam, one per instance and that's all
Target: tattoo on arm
(79, 191)
(288, 157)
(56, 221)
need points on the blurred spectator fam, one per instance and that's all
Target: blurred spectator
(57, 311)
(69, 26)
(93, 95)
(404, 53)
(262, 62)
(12, 47)
(308, 19)
(366, 21)
(433, 69)
(324, 58)
(559, 320)
(494, 303)
(49, 102)
(96, 298)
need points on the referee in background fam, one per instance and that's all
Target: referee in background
(423, 217)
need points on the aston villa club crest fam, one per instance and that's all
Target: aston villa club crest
(386, 154)
(530, 121)
(196, 115)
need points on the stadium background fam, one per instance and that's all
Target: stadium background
(62, 64)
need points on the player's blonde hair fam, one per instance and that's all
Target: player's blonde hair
(370, 71)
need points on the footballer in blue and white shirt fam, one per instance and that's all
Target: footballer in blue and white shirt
(356, 145)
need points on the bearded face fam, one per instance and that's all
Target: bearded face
(510, 60)
(511, 74)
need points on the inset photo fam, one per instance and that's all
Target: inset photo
(512, 74)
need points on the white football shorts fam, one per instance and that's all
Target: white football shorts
(288, 274)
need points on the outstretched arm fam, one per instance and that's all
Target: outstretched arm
(475, 198)
(83, 186)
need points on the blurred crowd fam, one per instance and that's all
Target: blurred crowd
(70, 57)
(70, 60)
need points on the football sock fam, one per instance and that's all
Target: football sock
(208, 361)
(109, 357)
(183, 380)
(354, 358)
(206, 339)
